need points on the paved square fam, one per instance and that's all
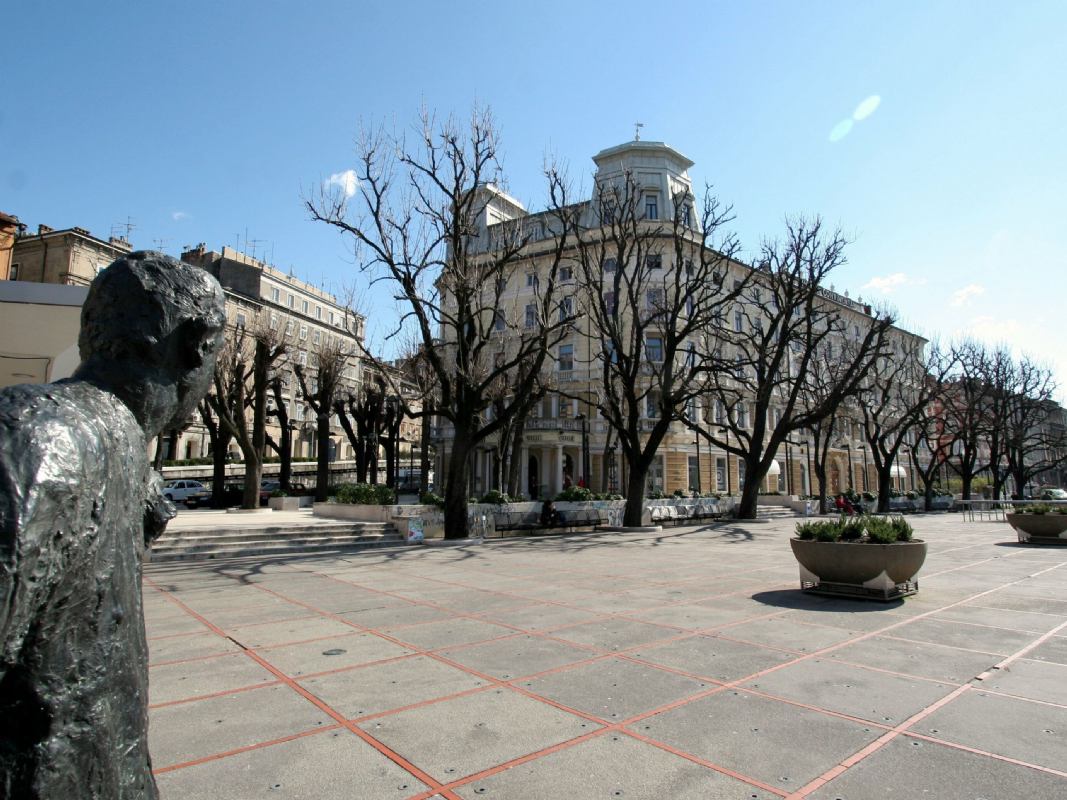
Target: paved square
(681, 664)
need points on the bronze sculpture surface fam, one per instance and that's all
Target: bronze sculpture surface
(78, 503)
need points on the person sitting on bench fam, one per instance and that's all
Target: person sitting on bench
(550, 518)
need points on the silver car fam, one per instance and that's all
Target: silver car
(189, 492)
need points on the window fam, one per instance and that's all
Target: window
(14, 275)
(532, 281)
(609, 302)
(654, 348)
(739, 321)
(317, 337)
(691, 356)
(652, 405)
(292, 301)
(274, 322)
(303, 332)
(501, 285)
(610, 264)
(720, 474)
(498, 360)
(654, 262)
(275, 295)
(241, 320)
(531, 316)
(742, 415)
(654, 299)
(690, 305)
(651, 206)
(739, 367)
(720, 412)
(566, 309)
(499, 322)
(303, 359)
(694, 473)
(687, 215)
(655, 475)
(289, 327)
(566, 274)
(689, 268)
(566, 357)
(607, 211)
(305, 306)
(318, 312)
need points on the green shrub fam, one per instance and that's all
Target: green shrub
(655, 494)
(279, 493)
(574, 494)
(363, 494)
(880, 531)
(819, 530)
(431, 499)
(496, 497)
(903, 529)
(851, 528)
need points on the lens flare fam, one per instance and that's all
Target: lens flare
(841, 130)
(866, 108)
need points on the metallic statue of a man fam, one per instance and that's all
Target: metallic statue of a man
(78, 503)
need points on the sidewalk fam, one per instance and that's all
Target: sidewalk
(682, 664)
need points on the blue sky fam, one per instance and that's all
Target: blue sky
(203, 120)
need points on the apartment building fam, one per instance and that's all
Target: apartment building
(553, 441)
(71, 256)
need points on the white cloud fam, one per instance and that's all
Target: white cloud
(178, 216)
(963, 296)
(866, 108)
(346, 181)
(889, 283)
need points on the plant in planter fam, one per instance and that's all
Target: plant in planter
(1039, 523)
(864, 557)
(574, 494)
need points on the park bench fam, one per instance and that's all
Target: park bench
(531, 520)
(684, 514)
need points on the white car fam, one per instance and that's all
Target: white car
(189, 492)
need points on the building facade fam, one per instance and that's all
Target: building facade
(551, 454)
(71, 256)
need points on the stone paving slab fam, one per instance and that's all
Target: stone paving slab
(682, 664)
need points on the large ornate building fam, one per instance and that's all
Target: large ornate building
(552, 445)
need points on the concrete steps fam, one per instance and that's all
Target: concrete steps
(775, 512)
(205, 544)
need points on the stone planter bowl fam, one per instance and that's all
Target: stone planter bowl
(883, 571)
(1039, 528)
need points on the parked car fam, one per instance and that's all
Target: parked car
(1050, 493)
(268, 487)
(192, 493)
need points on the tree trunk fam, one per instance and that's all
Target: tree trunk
(515, 464)
(390, 462)
(748, 508)
(285, 454)
(884, 483)
(965, 485)
(157, 462)
(424, 455)
(220, 450)
(456, 522)
(634, 512)
(253, 477)
(322, 463)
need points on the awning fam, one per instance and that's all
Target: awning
(775, 468)
(896, 471)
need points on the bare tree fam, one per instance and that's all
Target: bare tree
(241, 382)
(650, 290)
(1030, 445)
(320, 392)
(421, 222)
(220, 437)
(785, 320)
(894, 400)
(966, 413)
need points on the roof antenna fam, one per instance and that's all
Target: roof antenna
(637, 130)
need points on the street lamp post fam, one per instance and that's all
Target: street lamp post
(585, 448)
(610, 454)
(726, 433)
(848, 449)
(696, 441)
(864, 449)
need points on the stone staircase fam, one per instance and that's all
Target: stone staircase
(205, 544)
(775, 512)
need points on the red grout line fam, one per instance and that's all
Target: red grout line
(388, 752)
(986, 753)
(1009, 695)
(879, 743)
(247, 748)
(213, 695)
(684, 701)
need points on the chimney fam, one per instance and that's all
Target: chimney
(42, 229)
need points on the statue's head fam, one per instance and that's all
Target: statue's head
(151, 329)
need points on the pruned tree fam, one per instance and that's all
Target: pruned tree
(966, 413)
(649, 291)
(220, 437)
(894, 400)
(1031, 445)
(421, 227)
(241, 381)
(930, 448)
(319, 389)
(783, 321)
(284, 446)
